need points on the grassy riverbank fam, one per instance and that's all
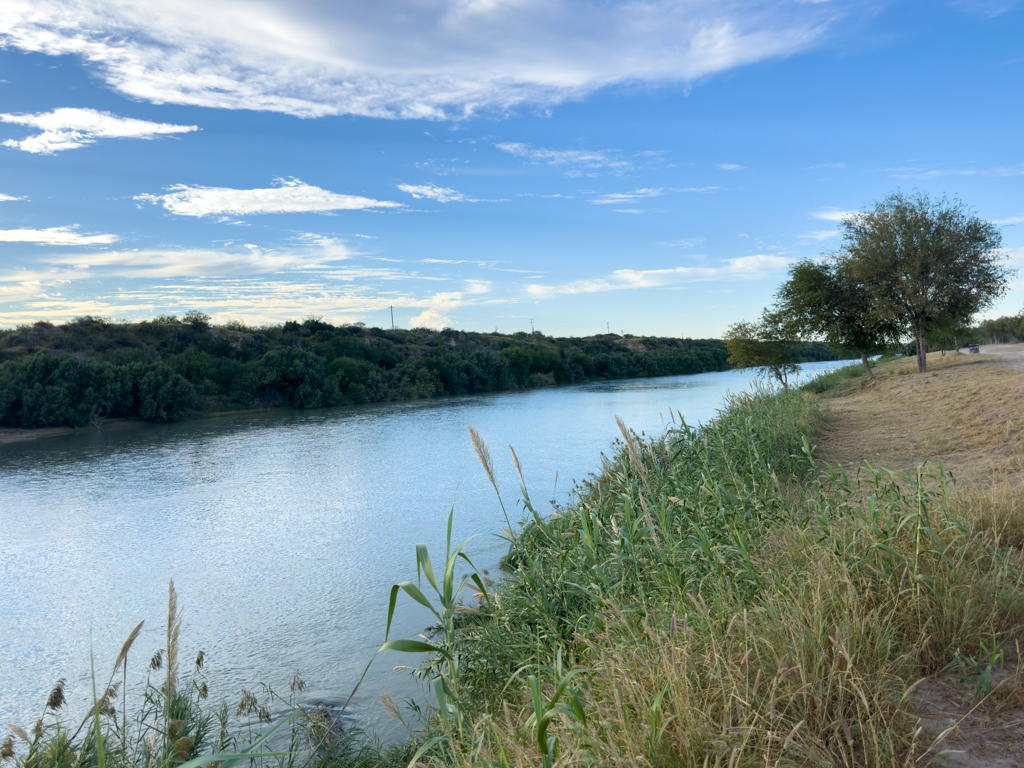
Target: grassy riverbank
(718, 596)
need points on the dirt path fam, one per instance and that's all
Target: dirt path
(1012, 355)
(966, 412)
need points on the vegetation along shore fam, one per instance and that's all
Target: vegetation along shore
(723, 595)
(169, 368)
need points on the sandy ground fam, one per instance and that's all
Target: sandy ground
(967, 413)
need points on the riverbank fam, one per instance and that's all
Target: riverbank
(171, 369)
(724, 602)
(712, 597)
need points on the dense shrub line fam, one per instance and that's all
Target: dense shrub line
(163, 369)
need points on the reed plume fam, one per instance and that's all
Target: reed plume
(18, 731)
(485, 456)
(56, 699)
(515, 463)
(122, 655)
(173, 632)
(390, 706)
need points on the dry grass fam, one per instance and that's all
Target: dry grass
(965, 411)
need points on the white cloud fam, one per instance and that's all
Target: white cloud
(7, 198)
(55, 236)
(404, 58)
(70, 128)
(635, 211)
(479, 286)
(688, 243)
(1009, 222)
(617, 198)
(434, 192)
(742, 267)
(925, 174)
(833, 214)
(289, 196)
(556, 157)
(821, 234)
(731, 167)
(437, 315)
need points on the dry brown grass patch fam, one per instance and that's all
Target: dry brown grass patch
(965, 411)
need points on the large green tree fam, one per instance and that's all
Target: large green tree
(825, 300)
(923, 262)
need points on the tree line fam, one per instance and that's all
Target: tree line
(168, 368)
(909, 269)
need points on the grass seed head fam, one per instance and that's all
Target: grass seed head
(484, 455)
(122, 655)
(390, 706)
(56, 699)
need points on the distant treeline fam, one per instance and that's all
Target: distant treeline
(167, 368)
(1001, 330)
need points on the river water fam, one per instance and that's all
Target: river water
(283, 532)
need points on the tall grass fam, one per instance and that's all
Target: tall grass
(168, 721)
(712, 598)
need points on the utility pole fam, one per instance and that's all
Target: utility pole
(392, 317)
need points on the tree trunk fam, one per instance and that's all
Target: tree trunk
(922, 352)
(956, 345)
(867, 365)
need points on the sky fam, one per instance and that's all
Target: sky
(649, 167)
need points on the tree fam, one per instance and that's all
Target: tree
(765, 344)
(923, 262)
(825, 300)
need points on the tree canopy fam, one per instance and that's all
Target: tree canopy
(767, 344)
(825, 300)
(923, 264)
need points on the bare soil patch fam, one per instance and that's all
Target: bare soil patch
(967, 412)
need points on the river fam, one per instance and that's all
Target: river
(283, 531)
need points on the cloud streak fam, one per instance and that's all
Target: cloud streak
(405, 58)
(618, 198)
(622, 279)
(833, 214)
(70, 128)
(436, 193)
(560, 157)
(289, 196)
(55, 236)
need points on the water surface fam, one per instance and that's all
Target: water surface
(282, 531)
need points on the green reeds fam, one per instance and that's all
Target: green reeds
(719, 600)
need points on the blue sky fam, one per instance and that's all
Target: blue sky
(649, 167)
